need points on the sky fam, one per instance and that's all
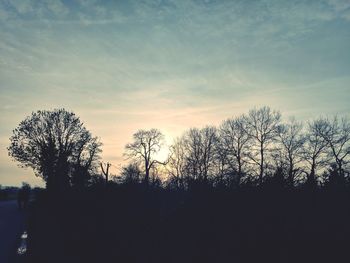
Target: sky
(128, 65)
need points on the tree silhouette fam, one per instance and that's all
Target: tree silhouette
(177, 163)
(291, 141)
(201, 213)
(200, 158)
(56, 145)
(235, 143)
(337, 134)
(262, 126)
(130, 173)
(85, 164)
(314, 152)
(105, 170)
(147, 143)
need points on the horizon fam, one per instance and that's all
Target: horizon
(126, 66)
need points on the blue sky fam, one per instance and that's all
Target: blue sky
(125, 65)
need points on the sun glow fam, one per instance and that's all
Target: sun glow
(163, 154)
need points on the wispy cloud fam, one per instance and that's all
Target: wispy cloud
(124, 65)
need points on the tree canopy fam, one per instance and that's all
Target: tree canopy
(57, 146)
(146, 144)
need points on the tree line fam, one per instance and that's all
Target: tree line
(249, 149)
(252, 149)
(243, 191)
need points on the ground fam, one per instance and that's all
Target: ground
(11, 227)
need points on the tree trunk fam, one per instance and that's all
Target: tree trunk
(312, 176)
(261, 164)
(239, 169)
(340, 169)
(291, 175)
(147, 175)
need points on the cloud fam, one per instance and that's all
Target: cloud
(23, 7)
(346, 14)
(125, 65)
(339, 5)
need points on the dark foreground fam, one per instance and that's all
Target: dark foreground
(135, 224)
(11, 227)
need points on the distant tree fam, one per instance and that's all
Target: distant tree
(130, 173)
(56, 145)
(291, 140)
(224, 171)
(234, 143)
(26, 186)
(200, 156)
(147, 143)
(23, 195)
(2, 193)
(262, 126)
(156, 176)
(105, 170)
(177, 163)
(337, 134)
(192, 141)
(314, 152)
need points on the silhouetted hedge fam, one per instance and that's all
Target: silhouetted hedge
(134, 223)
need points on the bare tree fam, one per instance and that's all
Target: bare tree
(147, 143)
(224, 171)
(209, 139)
(105, 170)
(314, 152)
(193, 141)
(262, 126)
(337, 134)
(291, 140)
(55, 144)
(177, 162)
(234, 143)
(200, 144)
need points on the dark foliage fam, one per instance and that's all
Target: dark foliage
(252, 190)
(135, 223)
(57, 146)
